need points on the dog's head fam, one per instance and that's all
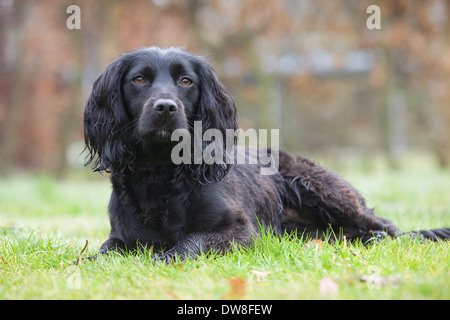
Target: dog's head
(142, 97)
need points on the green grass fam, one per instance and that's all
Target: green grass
(44, 224)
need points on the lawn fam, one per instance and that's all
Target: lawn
(44, 225)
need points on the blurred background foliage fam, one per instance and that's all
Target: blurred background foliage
(311, 68)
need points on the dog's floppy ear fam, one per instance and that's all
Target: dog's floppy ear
(216, 110)
(105, 122)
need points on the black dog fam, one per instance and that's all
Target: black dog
(188, 208)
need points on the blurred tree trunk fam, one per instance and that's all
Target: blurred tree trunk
(15, 35)
(396, 108)
(397, 114)
(440, 127)
(71, 79)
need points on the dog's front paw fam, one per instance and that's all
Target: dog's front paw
(166, 257)
(373, 237)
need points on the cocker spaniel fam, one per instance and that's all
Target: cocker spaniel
(187, 207)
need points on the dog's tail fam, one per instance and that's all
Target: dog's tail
(433, 234)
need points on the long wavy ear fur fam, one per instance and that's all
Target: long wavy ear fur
(216, 110)
(105, 122)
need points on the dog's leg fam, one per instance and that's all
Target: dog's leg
(112, 245)
(323, 199)
(196, 243)
(433, 234)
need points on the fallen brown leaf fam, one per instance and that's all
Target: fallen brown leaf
(376, 281)
(3, 261)
(172, 293)
(238, 288)
(260, 274)
(328, 287)
(314, 243)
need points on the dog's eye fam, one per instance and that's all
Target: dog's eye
(185, 81)
(138, 80)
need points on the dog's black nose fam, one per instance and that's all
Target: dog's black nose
(165, 107)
